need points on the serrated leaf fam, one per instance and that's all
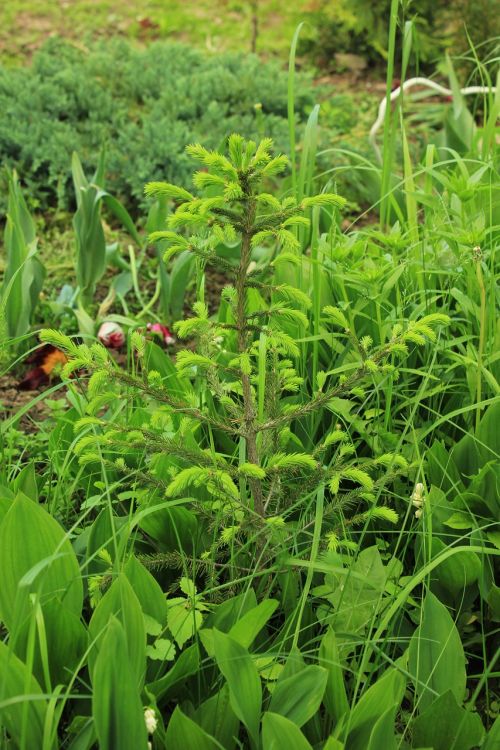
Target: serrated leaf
(161, 650)
(152, 626)
(187, 587)
(183, 620)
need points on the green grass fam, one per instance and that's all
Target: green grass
(215, 26)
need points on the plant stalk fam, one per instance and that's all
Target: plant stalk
(249, 412)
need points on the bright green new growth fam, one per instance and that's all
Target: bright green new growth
(244, 362)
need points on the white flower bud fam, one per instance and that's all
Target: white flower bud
(111, 335)
(151, 720)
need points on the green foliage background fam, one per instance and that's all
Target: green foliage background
(146, 105)
(361, 27)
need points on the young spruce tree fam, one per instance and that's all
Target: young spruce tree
(244, 360)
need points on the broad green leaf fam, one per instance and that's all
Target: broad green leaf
(294, 663)
(187, 664)
(465, 455)
(492, 741)
(246, 629)
(299, 697)
(457, 572)
(121, 603)
(356, 594)
(441, 469)
(444, 725)
(485, 485)
(249, 626)
(80, 182)
(18, 210)
(383, 734)
(45, 563)
(335, 698)
(24, 274)
(436, 655)
(26, 482)
(460, 520)
(183, 733)
(173, 528)
(218, 719)
(67, 641)
(116, 703)
(103, 534)
(85, 738)
(243, 681)
(122, 215)
(494, 538)
(161, 650)
(183, 619)
(228, 613)
(279, 733)
(89, 234)
(24, 716)
(493, 599)
(147, 589)
(86, 324)
(90, 245)
(333, 744)
(5, 503)
(488, 437)
(459, 124)
(180, 275)
(384, 694)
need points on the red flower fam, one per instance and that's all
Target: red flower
(162, 332)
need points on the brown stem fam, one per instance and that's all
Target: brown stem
(249, 412)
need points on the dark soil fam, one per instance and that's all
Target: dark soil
(13, 401)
